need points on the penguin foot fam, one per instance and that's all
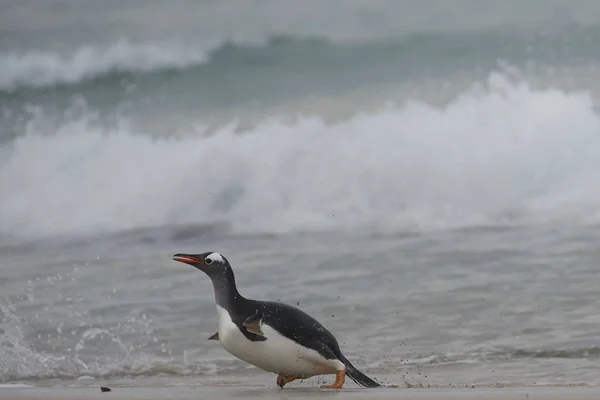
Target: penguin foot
(340, 376)
(283, 379)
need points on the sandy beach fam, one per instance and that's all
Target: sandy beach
(130, 393)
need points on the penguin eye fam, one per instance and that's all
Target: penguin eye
(208, 261)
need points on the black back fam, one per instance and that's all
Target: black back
(290, 322)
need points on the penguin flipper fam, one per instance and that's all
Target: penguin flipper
(253, 325)
(214, 337)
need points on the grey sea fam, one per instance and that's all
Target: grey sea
(422, 177)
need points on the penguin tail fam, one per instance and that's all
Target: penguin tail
(357, 376)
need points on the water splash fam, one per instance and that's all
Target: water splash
(91, 356)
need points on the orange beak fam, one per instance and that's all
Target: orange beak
(188, 259)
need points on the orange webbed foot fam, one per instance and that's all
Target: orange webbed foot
(282, 380)
(340, 377)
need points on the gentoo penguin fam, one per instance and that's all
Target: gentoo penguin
(273, 336)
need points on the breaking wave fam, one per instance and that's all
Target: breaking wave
(500, 153)
(48, 68)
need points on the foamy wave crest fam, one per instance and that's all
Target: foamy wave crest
(498, 154)
(47, 68)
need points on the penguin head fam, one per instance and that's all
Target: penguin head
(211, 263)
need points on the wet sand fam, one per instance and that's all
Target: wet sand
(171, 393)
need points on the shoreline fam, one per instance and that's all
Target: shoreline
(22, 392)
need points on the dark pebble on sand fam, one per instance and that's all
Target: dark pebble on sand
(104, 389)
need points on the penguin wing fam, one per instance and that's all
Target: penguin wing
(253, 324)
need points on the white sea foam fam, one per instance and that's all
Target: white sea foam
(507, 154)
(45, 68)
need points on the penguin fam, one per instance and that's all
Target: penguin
(273, 336)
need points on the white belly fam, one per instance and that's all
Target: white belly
(277, 354)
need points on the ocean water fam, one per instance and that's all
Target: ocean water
(422, 177)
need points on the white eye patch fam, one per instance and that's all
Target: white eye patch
(215, 257)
